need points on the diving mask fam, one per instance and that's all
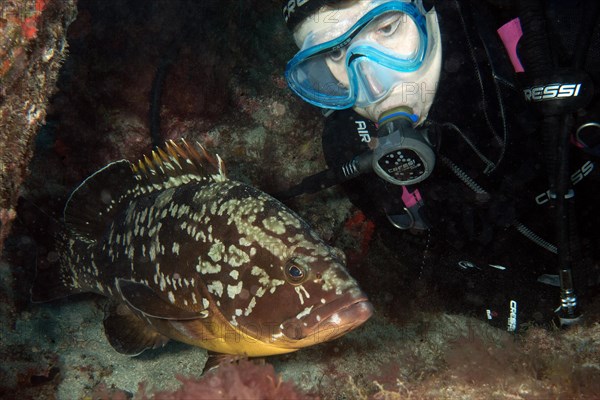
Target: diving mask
(362, 65)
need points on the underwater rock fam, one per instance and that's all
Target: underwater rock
(32, 48)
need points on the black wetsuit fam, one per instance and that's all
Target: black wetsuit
(487, 193)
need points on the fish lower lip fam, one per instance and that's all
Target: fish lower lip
(330, 320)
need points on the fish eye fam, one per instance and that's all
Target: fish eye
(295, 272)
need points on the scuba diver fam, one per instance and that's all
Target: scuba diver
(473, 130)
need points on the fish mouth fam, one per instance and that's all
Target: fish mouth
(330, 320)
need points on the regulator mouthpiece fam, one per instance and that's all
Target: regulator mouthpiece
(403, 155)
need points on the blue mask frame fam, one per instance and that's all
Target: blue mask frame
(306, 64)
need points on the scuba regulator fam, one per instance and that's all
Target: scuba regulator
(399, 154)
(395, 151)
(403, 155)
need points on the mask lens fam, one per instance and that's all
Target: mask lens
(314, 81)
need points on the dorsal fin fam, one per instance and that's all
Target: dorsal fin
(94, 203)
(178, 161)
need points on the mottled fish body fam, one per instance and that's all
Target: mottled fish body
(185, 253)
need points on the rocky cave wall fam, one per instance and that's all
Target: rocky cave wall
(32, 48)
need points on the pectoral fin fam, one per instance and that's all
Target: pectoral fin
(145, 300)
(128, 333)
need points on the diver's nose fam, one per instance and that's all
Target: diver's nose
(368, 80)
(372, 80)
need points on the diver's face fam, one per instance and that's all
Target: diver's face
(395, 33)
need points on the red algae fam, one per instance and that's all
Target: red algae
(243, 380)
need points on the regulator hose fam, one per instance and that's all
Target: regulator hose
(542, 69)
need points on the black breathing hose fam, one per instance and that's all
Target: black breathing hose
(535, 54)
(329, 177)
(155, 103)
(541, 68)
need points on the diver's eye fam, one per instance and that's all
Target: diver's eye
(336, 55)
(295, 272)
(390, 26)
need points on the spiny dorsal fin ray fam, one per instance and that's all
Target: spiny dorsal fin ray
(95, 202)
(180, 160)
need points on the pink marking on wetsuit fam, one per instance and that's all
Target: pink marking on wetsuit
(510, 33)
